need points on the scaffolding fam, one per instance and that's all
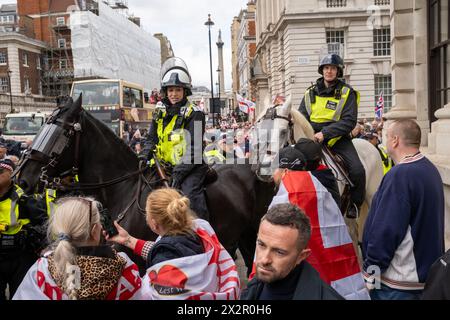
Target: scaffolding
(58, 71)
(58, 68)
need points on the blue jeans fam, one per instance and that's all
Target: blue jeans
(386, 293)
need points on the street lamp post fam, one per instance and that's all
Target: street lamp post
(10, 91)
(210, 23)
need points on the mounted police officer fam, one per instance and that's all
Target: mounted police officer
(22, 230)
(331, 106)
(175, 136)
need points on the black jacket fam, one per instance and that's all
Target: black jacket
(349, 116)
(188, 163)
(309, 287)
(173, 247)
(437, 286)
(328, 180)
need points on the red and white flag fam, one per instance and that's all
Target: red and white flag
(245, 105)
(379, 108)
(211, 275)
(38, 283)
(332, 251)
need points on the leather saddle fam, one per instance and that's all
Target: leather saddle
(337, 164)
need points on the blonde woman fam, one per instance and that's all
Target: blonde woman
(76, 266)
(186, 261)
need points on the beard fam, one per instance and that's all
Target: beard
(270, 277)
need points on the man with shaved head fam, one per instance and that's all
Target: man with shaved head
(404, 231)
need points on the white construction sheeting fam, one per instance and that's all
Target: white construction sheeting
(111, 46)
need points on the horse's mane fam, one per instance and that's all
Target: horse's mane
(300, 122)
(109, 135)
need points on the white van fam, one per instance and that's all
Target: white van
(23, 126)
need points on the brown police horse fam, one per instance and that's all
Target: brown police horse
(74, 142)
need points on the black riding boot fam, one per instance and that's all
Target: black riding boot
(345, 148)
(193, 187)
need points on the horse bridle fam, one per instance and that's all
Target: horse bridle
(49, 144)
(47, 149)
(271, 114)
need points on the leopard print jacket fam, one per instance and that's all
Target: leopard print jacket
(99, 275)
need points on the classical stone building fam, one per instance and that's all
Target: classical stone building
(292, 36)
(20, 73)
(166, 47)
(421, 78)
(245, 51)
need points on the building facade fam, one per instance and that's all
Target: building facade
(166, 47)
(49, 22)
(292, 36)
(20, 72)
(246, 47)
(8, 18)
(421, 79)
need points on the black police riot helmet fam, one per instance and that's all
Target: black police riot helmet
(175, 73)
(333, 60)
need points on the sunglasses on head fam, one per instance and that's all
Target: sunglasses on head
(88, 202)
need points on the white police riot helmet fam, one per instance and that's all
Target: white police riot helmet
(175, 73)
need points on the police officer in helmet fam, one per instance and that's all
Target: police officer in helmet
(171, 137)
(331, 106)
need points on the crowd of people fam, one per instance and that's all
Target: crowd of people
(303, 247)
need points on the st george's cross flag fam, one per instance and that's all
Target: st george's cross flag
(245, 105)
(211, 275)
(379, 108)
(332, 252)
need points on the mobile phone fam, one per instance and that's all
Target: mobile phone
(107, 223)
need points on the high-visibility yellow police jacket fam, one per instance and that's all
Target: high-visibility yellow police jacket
(328, 109)
(10, 224)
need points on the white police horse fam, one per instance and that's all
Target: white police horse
(285, 121)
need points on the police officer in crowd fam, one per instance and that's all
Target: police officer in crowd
(331, 106)
(168, 133)
(22, 230)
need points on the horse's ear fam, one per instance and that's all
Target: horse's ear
(75, 108)
(78, 103)
(287, 105)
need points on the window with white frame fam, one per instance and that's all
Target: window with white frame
(4, 85)
(25, 59)
(63, 64)
(26, 85)
(382, 42)
(336, 41)
(3, 59)
(383, 84)
(61, 43)
(60, 21)
(38, 63)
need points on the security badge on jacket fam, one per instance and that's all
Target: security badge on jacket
(331, 105)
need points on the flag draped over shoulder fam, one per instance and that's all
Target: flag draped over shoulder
(333, 254)
(245, 105)
(38, 284)
(379, 108)
(208, 276)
